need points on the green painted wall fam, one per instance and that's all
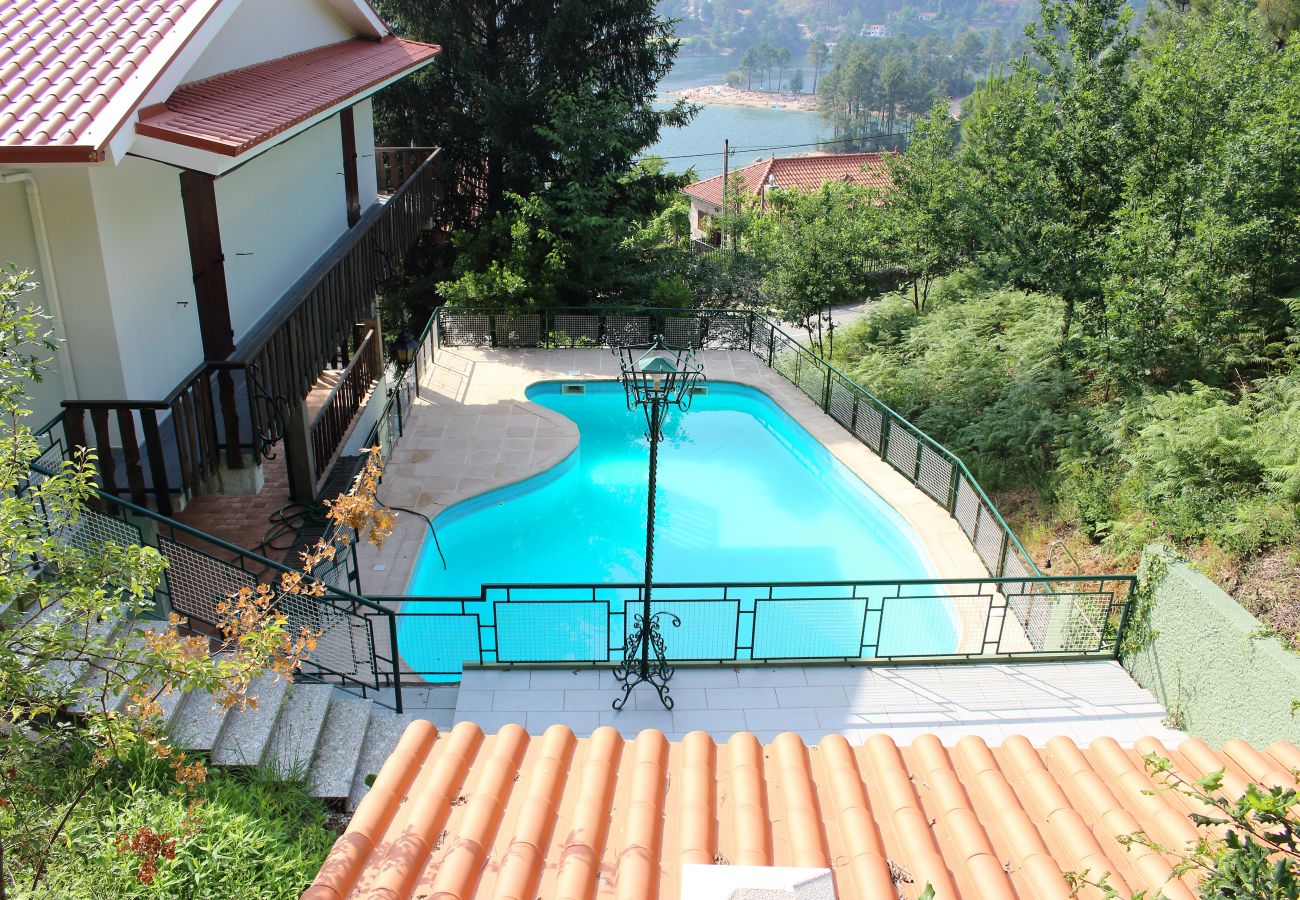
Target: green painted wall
(1205, 659)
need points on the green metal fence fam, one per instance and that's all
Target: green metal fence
(375, 645)
(913, 454)
(930, 621)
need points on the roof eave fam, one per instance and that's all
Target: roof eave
(239, 153)
(51, 153)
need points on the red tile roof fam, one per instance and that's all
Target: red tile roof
(72, 71)
(462, 815)
(803, 173)
(234, 111)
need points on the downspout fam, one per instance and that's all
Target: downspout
(37, 213)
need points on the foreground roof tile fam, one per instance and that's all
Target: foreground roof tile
(235, 111)
(802, 173)
(464, 815)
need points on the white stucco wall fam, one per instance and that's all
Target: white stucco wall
(150, 280)
(278, 214)
(73, 228)
(363, 115)
(268, 29)
(18, 246)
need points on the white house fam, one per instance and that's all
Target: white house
(194, 185)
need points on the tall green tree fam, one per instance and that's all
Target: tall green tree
(490, 95)
(543, 108)
(1048, 149)
(925, 208)
(818, 54)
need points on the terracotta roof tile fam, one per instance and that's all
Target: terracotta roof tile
(802, 173)
(234, 111)
(64, 62)
(463, 815)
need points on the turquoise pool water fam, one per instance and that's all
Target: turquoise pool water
(745, 495)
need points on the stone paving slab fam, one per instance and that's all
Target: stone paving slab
(1082, 701)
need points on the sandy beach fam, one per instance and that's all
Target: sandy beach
(722, 95)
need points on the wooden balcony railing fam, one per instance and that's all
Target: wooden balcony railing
(226, 412)
(394, 166)
(329, 427)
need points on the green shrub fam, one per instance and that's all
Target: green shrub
(244, 835)
(975, 371)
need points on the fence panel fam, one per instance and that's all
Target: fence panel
(517, 331)
(552, 631)
(464, 329)
(574, 330)
(935, 474)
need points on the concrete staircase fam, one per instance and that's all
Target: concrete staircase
(313, 732)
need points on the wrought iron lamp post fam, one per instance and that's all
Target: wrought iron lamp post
(655, 377)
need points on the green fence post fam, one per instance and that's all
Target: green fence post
(771, 344)
(397, 662)
(853, 416)
(953, 481)
(751, 331)
(1002, 554)
(826, 393)
(884, 436)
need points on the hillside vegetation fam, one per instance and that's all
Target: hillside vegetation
(1099, 273)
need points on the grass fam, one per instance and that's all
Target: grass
(245, 834)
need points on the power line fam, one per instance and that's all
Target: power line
(740, 150)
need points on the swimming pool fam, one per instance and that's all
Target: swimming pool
(745, 495)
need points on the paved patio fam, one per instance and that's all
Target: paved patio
(474, 430)
(1080, 700)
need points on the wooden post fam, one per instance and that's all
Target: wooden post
(726, 158)
(299, 457)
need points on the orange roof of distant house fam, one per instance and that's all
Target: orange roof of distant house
(802, 173)
(462, 815)
(71, 71)
(232, 112)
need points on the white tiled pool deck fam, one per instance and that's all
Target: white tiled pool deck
(1080, 700)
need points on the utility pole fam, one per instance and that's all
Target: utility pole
(726, 157)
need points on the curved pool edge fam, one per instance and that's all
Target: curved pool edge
(503, 490)
(943, 546)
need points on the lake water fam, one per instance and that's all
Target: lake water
(749, 128)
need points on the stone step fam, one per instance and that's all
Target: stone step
(381, 738)
(298, 730)
(68, 672)
(339, 751)
(244, 740)
(199, 723)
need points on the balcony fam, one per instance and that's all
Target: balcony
(290, 394)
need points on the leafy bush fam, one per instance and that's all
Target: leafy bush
(234, 835)
(1204, 464)
(976, 371)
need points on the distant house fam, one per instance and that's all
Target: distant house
(798, 173)
(182, 177)
(874, 31)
